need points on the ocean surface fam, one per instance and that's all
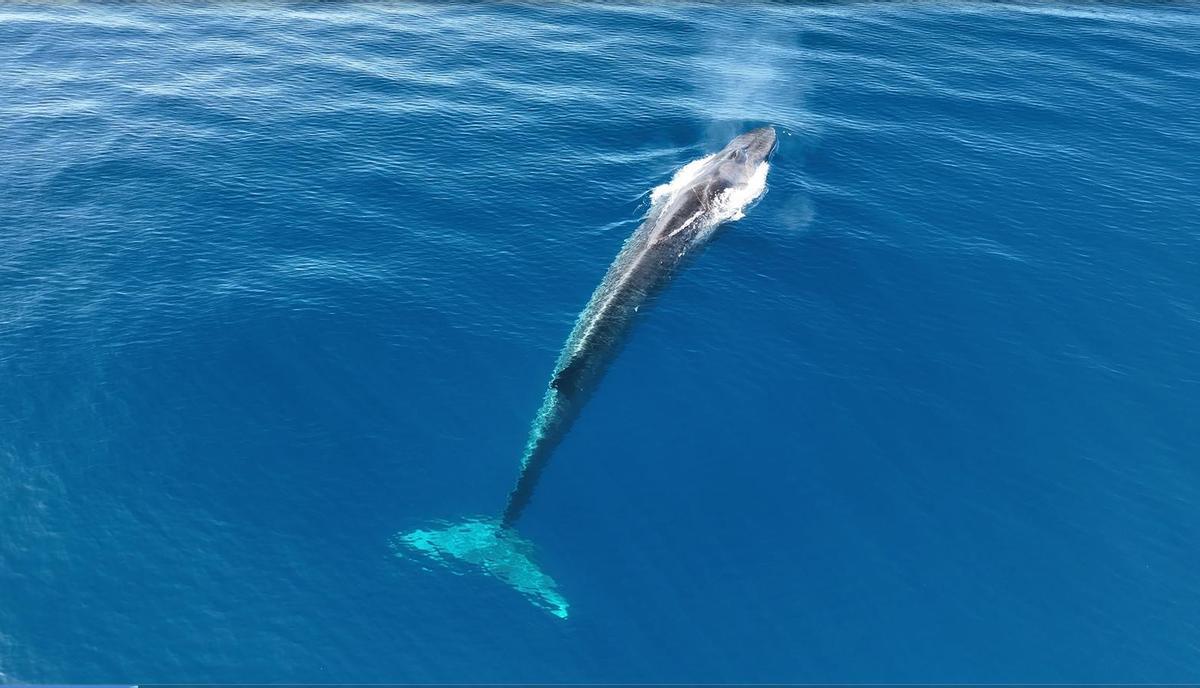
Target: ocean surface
(279, 283)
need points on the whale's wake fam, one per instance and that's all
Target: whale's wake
(492, 548)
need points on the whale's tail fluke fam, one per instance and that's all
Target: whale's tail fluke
(492, 548)
(491, 545)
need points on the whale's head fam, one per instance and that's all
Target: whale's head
(739, 160)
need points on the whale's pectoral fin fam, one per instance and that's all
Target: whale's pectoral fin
(567, 378)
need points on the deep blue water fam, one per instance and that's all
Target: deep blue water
(279, 282)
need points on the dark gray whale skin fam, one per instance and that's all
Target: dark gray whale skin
(677, 226)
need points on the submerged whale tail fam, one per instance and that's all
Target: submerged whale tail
(492, 547)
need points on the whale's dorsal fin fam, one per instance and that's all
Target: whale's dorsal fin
(567, 377)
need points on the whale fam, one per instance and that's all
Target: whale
(678, 224)
(684, 216)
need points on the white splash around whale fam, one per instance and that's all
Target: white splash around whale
(682, 178)
(732, 203)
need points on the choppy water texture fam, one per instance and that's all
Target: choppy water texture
(280, 282)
